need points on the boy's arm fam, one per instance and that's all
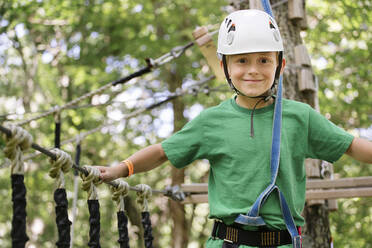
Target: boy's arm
(143, 160)
(361, 150)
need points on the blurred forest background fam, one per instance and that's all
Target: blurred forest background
(54, 51)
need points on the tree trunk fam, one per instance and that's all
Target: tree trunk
(316, 233)
(177, 210)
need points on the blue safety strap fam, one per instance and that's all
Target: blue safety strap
(267, 7)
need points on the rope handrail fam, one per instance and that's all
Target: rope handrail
(173, 192)
(151, 64)
(83, 135)
(167, 192)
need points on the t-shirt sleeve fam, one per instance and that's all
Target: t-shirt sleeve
(186, 145)
(326, 141)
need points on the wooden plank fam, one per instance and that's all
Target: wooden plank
(311, 195)
(339, 183)
(209, 50)
(338, 193)
(352, 182)
(198, 198)
(195, 187)
(199, 32)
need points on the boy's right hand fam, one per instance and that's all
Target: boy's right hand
(109, 173)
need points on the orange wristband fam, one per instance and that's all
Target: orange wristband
(130, 167)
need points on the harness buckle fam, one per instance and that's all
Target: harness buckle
(231, 235)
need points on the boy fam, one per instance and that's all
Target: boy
(235, 137)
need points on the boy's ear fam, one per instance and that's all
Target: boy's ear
(283, 65)
(221, 64)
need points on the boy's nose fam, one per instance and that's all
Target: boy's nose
(251, 69)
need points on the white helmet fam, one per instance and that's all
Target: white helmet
(248, 31)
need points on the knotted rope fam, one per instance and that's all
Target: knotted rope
(19, 141)
(144, 193)
(119, 192)
(142, 196)
(91, 181)
(61, 165)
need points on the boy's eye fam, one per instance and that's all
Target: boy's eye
(242, 60)
(265, 60)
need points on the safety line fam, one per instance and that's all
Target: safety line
(151, 64)
(83, 135)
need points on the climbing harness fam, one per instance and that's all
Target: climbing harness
(144, 193)
(90, 183)
(118, 194)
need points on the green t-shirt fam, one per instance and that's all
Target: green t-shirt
(240, 164)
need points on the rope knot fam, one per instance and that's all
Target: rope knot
(119, 192)
(61, 165)
(19, 141)
(90, 181)
(144, 193)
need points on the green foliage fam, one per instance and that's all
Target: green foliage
(57, 51)
(340, 45)
(52, 52)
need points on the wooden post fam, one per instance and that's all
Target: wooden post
(302, 57)
(207, 47)
(312, 171)
(327, 173)
(312, 168)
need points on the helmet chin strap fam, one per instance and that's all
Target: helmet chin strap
(270, 91)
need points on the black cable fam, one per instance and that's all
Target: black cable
(94, 224)
(57, 135)
(133, 75)
(123, 230)
(18, 232)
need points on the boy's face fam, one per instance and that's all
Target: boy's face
(252, 73)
